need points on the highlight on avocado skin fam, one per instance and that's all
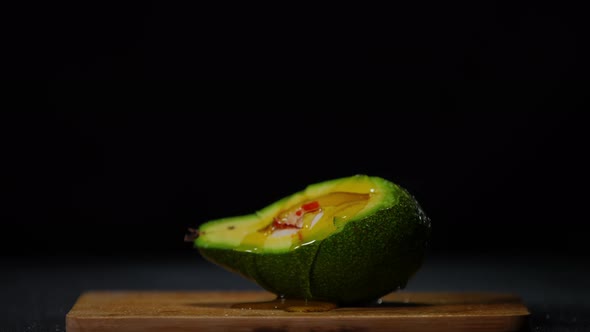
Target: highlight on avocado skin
(347, 240)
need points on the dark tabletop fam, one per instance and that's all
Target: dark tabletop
(38, 292)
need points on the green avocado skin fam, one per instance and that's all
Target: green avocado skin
(372, 257)
(366, 260)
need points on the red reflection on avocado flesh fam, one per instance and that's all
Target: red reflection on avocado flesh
(292, 219)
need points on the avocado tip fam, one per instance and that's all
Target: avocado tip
(192, 235)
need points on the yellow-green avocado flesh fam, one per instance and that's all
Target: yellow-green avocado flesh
(347, 240)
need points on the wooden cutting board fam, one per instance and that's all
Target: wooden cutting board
(257, 311)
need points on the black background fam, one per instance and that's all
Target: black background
(99, 200)
(125, 123)
(417, 40)
(93, 182)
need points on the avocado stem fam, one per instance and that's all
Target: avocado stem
(192, 236)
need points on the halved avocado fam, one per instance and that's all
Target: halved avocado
(347, 240)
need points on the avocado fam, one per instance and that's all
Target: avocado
(348, 240)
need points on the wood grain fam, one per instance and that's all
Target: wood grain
(155, 311)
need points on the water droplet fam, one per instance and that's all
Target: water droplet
(422, 217)
(379, 301)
